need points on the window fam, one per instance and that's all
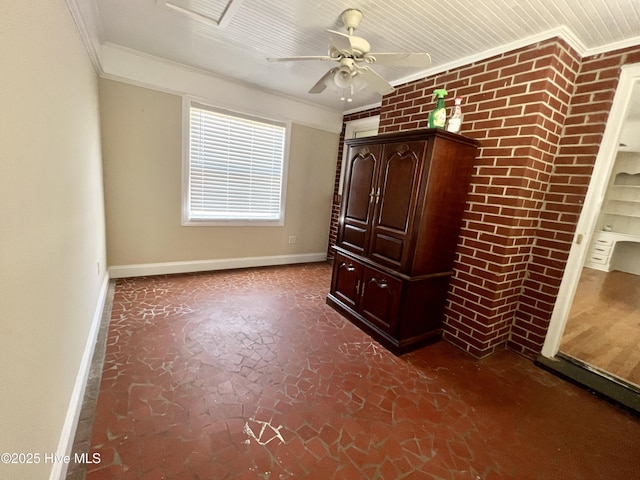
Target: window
(235, 168)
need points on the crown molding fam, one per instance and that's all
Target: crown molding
(87, 20)
(561, 32)
(630, 42)
(137, 68)
(363, 108)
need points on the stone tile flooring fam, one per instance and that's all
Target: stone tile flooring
(247, 374)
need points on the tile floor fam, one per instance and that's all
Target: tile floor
(249, 375)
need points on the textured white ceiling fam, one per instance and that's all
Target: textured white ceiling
(451, 31)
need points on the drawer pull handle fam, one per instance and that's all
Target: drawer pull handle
(349, 268)
(381, 283)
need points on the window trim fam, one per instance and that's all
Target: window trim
(186, 221)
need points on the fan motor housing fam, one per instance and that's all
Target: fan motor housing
(359, 45)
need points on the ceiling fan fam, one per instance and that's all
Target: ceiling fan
(354, 57)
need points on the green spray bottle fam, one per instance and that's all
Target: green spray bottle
(438, 116)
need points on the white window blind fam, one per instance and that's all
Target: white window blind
(235, 166)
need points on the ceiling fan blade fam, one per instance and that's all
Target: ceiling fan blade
(375, 81)
(321, 85)
(417, 60)
(295, 59)
(340, 40)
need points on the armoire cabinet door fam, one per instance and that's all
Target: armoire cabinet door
(396, 195)
(358, 197)
(380, 298)
(346, 280)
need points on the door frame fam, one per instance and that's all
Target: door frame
(351, 129)
(629, 76)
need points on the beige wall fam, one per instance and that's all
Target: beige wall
(51, 223)
(142, 149)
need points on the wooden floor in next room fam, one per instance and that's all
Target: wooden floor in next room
(603, 328)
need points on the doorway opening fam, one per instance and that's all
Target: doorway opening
(595, 327)
(363, 127)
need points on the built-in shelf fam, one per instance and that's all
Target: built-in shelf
(627, 179)
(623, 207)
(621, 223)
(623, 215)
(625, 193)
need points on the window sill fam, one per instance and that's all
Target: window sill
(233, 223)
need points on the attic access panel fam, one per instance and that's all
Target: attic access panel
(216, 13)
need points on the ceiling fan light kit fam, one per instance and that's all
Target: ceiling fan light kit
(343, 76)
(354, 55)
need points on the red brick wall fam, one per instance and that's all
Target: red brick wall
(539, 113)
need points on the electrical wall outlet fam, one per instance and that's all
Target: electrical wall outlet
(292, 239)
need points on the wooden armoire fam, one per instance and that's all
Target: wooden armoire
(401, 212)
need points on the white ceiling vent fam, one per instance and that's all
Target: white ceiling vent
(216, 13)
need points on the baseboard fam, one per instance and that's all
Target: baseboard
(141, 270)
(65, 444)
